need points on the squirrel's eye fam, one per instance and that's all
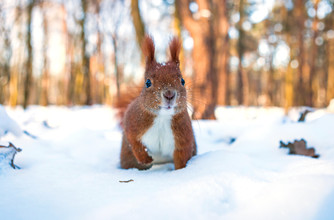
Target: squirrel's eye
(182, 81)
(148, 83)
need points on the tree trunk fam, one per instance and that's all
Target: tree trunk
(300, 16)
(178, 30)
(69, 73)
(270, 82)
(65, 75)
(242, 80)
(330, 57)
(45, 77)
(84, 56)
(288, 89)
(98, 85)
(13, 83)
(202, 58)
(203, 29)
(5, 74)
(28, 75)
(289, 85)
(100, 62)
(117, 73)
(221, 26)
(71, 70)
(313, 58)
(229, 88)
(137, 22)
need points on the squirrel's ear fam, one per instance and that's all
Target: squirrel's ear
(174, 48)
(148, 49)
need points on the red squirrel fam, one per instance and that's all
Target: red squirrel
(156, 125)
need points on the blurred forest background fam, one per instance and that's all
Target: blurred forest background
(245, 52)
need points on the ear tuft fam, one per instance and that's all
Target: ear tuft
(148, 48)
(174, 48)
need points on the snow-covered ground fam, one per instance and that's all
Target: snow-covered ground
(71, 170)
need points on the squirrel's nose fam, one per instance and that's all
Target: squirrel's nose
(169, 95)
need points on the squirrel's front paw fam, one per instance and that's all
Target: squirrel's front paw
(144, 158)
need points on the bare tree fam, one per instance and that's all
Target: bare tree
(178, 29)
(116, 69)
(44, 99)
(97, 64)
(300, 20)
(113, 34)
(28, 74)
(330, 59)
(137, 22)
(84, 54)
(221, 26)
(242, 85)
(210, 18)
(70, 66)
(7, 54)
(313, 59)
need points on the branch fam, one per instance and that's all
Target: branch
(7, 153)
(183, 12)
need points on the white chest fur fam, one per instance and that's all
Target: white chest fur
(159, 139)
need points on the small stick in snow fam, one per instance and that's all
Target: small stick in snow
(303, 115)
(126, 181)
(30, 135)
(46, 124)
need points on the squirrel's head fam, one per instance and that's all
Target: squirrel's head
(164, 89)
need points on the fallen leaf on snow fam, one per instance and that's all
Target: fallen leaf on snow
(299, 148)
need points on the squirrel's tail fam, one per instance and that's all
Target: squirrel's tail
(124, 100)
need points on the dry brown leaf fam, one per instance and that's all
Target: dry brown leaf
(299, 148)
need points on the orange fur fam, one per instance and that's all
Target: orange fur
(148, 49)
(174, 49)
(123, 102)
(141, 113)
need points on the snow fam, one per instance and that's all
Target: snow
(71, 171)
(7, 124)
(331, 106)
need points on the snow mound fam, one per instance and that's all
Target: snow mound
(72, 170)
(7, 124)
(330, 107)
